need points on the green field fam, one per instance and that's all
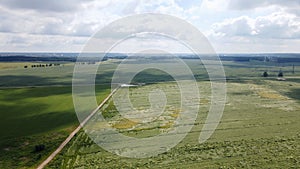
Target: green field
(34, 116)
(259, 128)
(36, 109)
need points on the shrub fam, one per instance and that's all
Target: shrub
(38, 148)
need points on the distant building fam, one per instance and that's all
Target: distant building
(128, 85)
(281, 79)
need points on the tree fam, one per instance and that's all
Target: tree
(293, 69)
(280, 74)
(265, 74)
(39, 147)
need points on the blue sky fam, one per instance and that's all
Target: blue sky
(232, 26)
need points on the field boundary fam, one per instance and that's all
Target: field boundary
(68, 139)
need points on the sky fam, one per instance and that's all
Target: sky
(231, 26)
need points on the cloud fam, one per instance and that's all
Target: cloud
(79, 17)
(131, 7)
(240, 26)
(254, 45)
(19, 42)
(187, 4)
(244, 5)
(53, 5)
(37, 24)
(80, 23)
(290, 6)
(277, 25)
(30, 23)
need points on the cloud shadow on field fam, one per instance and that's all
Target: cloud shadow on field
(24, 80)
(294, 93)
(17, 95)
(31, 111)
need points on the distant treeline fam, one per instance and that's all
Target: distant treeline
(36, 59)
(277, 58)
(43, 65)
(285, 60)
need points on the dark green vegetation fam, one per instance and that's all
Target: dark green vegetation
(30, 117)
(36, 109)
(259, 127)
(34, 116)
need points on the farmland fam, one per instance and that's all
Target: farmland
(257, 131)
(260, 124)
(36, 109)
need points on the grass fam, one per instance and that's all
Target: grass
(19, 107)
(248, 153)
(14, 65)
(259, 128)
(252, 134)
(34, 116)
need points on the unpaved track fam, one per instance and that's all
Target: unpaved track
(68, 139)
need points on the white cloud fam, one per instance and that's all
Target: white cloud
(291, 6)
(19, 42)
(216, 5)
(48, 6)
(20, 17)
(240, 26)
(66, 24)
(277, 25)
(254, 45)
(244, 5)
(276, 32)
(83, 22)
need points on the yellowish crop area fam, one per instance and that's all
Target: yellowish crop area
(204, 101)
(176, 113)
(271, 95)
(124, 124)
(167, 125)
(141, 115)
(267, 93)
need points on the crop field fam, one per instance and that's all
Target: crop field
(35, 116)
(14, 65)
(259, 128)
(36, 109)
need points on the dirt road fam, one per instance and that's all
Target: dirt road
(63, 144)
